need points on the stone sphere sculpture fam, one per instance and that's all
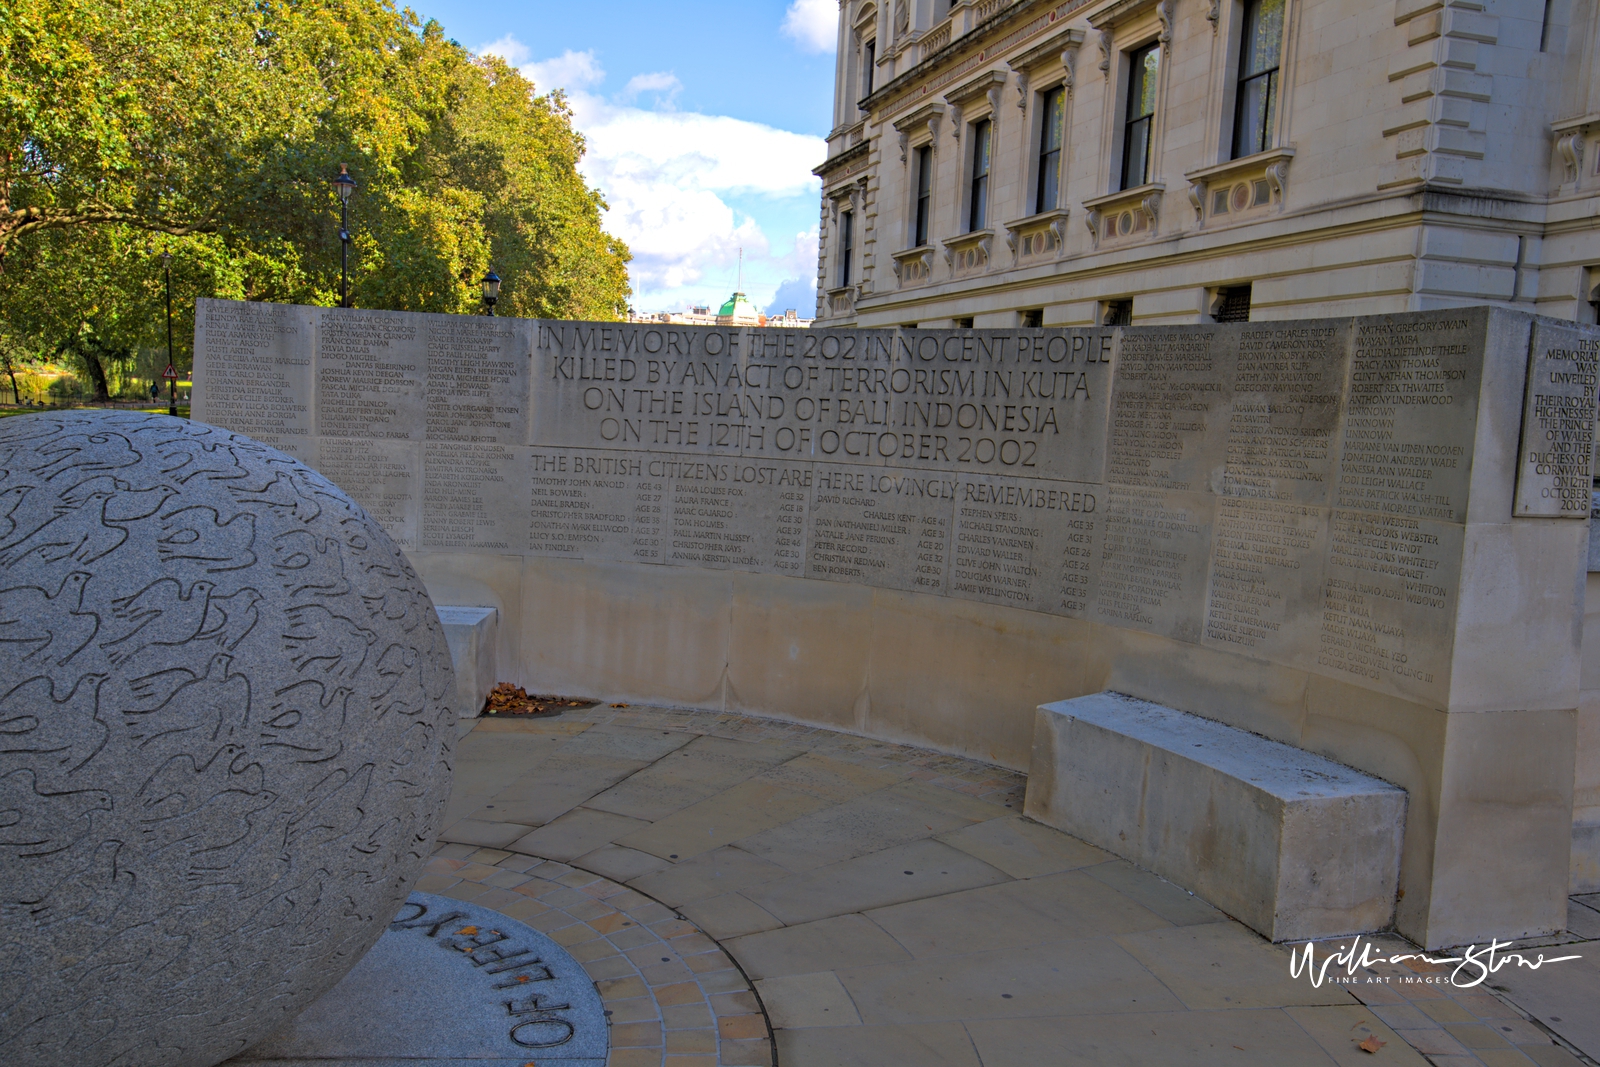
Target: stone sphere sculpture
(224, 738)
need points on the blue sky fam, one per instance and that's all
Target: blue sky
(704, 121)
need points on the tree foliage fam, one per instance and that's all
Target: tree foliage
(212, 129)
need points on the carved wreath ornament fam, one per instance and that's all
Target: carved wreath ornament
(224, 743)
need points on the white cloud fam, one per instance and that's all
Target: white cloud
(509, 49)
(572, 71)
(663, 83)
(814, 24)
(668, 178)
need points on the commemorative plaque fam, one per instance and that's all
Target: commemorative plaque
(1294, 492)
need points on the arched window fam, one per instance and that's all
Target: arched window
(1261, 49)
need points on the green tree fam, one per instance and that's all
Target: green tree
(15, 356)
(213, 128)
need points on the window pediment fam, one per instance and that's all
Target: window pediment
(1049, 51)
(990, 81)
(1127, 10)
(927, 114)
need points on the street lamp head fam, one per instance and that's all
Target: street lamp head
(344, 183)
(166, 258)
(491, 290)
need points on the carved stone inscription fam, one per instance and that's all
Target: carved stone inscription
(1293, 491)
(370, 376)
(1554, 467)
(256, 374)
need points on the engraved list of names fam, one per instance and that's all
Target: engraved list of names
(1294, 492)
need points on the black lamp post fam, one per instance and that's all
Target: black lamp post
(346, 185)
(491, 292)
(172, 395)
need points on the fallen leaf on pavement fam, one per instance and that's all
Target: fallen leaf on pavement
(508, 699)
(1371, 1044)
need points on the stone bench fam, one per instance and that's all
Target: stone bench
(473, 636)
(1291, 844)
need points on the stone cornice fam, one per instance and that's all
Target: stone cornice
(849, 155)
(981, 39)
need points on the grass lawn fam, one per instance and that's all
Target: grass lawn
(183, 409)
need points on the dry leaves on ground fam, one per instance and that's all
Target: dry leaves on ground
(508, 699)
(1371, 1044)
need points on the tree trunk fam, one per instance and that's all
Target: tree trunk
(97, 372)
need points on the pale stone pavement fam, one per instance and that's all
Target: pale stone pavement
(746, 891)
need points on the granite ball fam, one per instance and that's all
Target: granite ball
(225, 738)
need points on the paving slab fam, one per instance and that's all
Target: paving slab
(1092, 977)
(831, 779)
(891, 816)
(488, 762)
(1563, 996)
(1226, 965)
(923, 1045)
(827, 944)
(576, 833)
(1178, 906)
(740, 811)
(1339, 1029)
(1023, 848)
(907, 872)
(730, 915)
(710, 874)
(1265, 1037)
(1059, 907)
(801, 1000)
(620, 864)
(702, 768)
(554, 786)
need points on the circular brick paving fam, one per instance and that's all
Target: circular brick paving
(673, 998)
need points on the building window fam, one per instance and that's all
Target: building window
(847, 240)
(1116, 313)
(977, 214)
(964, 324)
(869, 55)
(1262, 47)
(1232, 304)
(1050, 137)
(924, 195)
(1143, 68)
(1033, 318)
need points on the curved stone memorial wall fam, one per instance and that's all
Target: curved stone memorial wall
(224, 743)
(1332, 532)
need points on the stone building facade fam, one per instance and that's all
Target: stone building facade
(1067, 162)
